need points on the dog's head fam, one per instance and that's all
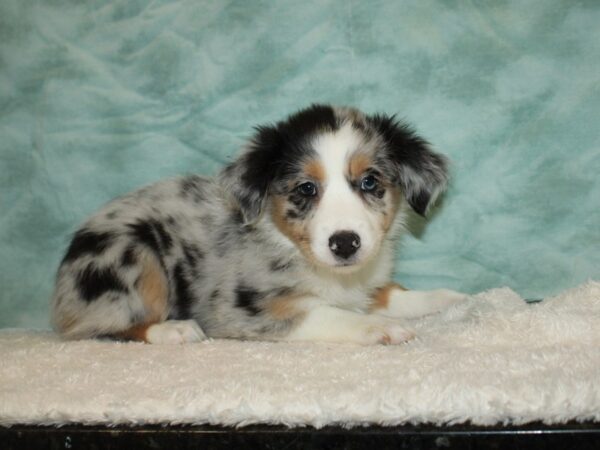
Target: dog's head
(332, 180)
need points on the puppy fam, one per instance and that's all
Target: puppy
(294, 240)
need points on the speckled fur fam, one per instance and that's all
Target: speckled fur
(219, 244)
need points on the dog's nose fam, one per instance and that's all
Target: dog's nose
(344, 244)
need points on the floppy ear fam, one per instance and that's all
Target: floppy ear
(248, 178)
(421, 173)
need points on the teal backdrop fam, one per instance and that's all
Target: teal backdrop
(100, 97)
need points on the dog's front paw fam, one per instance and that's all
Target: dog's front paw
(386, 332)
(175, 332)
(331, 324)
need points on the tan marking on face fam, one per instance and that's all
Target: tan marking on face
(315, 170)
(153, 289)
(359, 163)
(381, 297)
(135, 333)
(295, 231)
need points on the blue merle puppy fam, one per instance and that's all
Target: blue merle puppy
(294, 240)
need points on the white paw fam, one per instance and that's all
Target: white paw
(175, 332)
(386, 332)
(331, 324)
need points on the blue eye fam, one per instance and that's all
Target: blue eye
(307, 189)
(368, 183)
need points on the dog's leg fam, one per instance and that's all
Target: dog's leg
(395, 301)
(152, 288)
(330, 324)
(168, 332)
(137, 310)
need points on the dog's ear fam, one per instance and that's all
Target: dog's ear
(248, 178)
(421, 173)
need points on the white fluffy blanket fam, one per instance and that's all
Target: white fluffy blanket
(492, 359)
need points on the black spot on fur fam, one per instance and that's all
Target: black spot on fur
(183, 293)
(277, 265)
(153, 234)
(86, 242)
(237, 217)
(164, 237)
(94, 281)
(193, 255)
(316, 118)
(291, 214)
(246, 298)
(128, 257)
(214, 296)
(279, 292)
(361, 126)
(419, 202)
(192, 187)
(379, 193)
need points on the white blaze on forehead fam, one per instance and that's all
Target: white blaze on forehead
(340, 207)
(334, 150)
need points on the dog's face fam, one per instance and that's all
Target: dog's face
(338, 201)
(332, 180)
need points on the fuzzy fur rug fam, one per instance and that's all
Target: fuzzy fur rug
(491, 359)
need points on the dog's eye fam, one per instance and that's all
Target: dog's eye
(307, 189)
(368, 183)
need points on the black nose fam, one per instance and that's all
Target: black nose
(344, 244)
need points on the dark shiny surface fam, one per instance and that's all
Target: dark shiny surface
(579, 436)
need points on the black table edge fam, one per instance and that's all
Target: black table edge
(576, 435)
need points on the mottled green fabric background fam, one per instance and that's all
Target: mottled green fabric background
(100, 97)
